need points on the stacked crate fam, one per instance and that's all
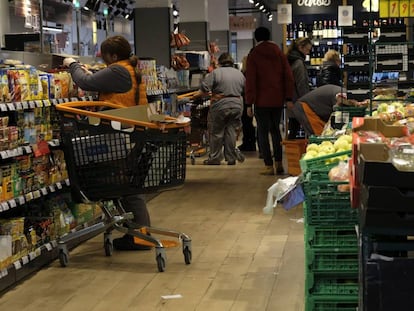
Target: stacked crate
(331, 244)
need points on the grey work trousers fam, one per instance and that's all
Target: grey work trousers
(223, 127)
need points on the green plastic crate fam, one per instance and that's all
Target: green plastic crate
(328, 286)
(328, 263)
(329, 212)
(319, 139)
(352, 111)
(335, 304)
(331, 238)
(324, 162)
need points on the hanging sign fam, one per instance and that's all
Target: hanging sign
(345, 15)
(396, 8)
(245, 22)
(308, 7)
(284, 13)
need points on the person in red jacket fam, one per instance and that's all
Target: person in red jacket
(269, 85)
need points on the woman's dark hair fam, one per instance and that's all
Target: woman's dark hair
(262, 34)
(120, 46)
(225, 60)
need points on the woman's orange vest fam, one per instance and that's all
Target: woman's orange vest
(127, 99)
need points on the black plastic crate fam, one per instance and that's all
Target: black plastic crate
(388, 199)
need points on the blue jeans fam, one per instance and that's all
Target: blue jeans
(268, 121)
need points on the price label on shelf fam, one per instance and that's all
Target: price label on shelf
(19, 151)
(12, 203)
(32, 104)
(25, 105)
(28, 149)
(36, 194)
(52, 188)
(59, 185)
(74, 99)
(18, 105)
(48, 246)
(21, 200)
(67, 182)
(54, 101)
(46, 103)
(44, 191)
(17, 265)
(25, 260)
(32, 256)
(404, 8)
(39, 103)
(54, 243)
(5, 206)
(11, 107)
(4, 273)
(38, 251)
(3, 107)
(29, 196)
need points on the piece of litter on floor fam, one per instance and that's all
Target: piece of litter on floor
(298, 221)
(171, 296)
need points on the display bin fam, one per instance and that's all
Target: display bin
(393, 221)
(322, 163)
(332, 286)
(334, 304)
(391, 199)
(329, 263)
(388, 285)
(294, 149)
(375, 173)
(327, 213)
(336, 239)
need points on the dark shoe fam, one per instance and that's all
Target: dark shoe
(239, 155)
(279, 168)
(126, 243)
(231, 162)
(211, 162)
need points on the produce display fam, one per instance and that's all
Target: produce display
(341, 144)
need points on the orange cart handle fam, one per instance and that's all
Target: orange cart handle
(74, 108)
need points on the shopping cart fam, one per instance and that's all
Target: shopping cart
(110, 154)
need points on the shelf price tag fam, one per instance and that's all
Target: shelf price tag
(67, 182)
(25, 260)
(59, 185)
(46, 103)
(29, 196)
(12, 203)
(28, 149)
(36, 194)
(32, 255)
(5, 206)
(38, 251)
(21, 200)
(25, 105)
(48, 246)
(54, 243)
(3, 154)
(19, 106)
(44, 191)
(404, 8)
(17, 265)
(52, 188)
(11, 106)
(39, 103)
(4, 273)
(32, 104)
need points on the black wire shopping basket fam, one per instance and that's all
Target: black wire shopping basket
(109, 156)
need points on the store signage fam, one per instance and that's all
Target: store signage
(307, 7)
(245, 22)
(396, 8)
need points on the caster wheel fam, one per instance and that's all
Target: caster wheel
(63, 259)
(187, 255)
(161, 263)
(109, 248)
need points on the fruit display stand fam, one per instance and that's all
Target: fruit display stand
(331, 244)
(385, 203)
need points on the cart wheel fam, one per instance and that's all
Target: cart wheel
(63, 258)
(187, 255)
(109, 248)
(161, 263)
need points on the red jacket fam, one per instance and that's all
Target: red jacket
(269, 79)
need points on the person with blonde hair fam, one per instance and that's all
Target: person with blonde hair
(330, 72)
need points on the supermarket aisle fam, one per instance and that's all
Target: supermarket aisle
(242, 259)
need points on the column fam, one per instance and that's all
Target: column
(153, 26)
(218, 17)
(194, 23)
(4, 21)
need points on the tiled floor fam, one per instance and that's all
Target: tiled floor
(242, 258)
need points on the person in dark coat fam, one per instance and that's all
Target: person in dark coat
(330, 72)
(269, 86)
(296, 56)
